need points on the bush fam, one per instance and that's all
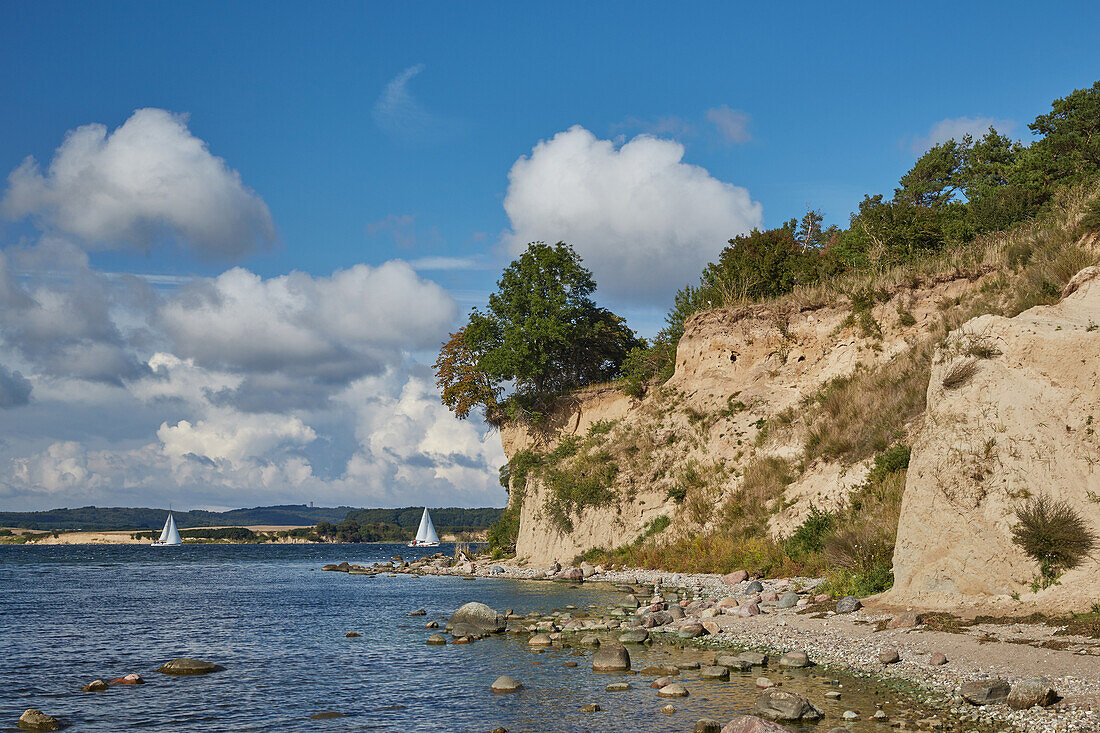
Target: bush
(809, 538)
(1054, 534)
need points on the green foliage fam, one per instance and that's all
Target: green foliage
(678, 492)
(809, 538)
(1054, 534)
(503, 534)
(227, 534)
(541, 332)
(585, 482)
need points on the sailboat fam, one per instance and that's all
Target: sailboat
(169, 535)
(425, 535)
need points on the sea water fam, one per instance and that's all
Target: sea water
(278, 624)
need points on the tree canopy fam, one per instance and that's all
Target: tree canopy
(541, 335)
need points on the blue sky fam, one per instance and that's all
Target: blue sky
(371, 132)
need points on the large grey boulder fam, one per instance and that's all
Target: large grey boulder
(34, 719)
(753, 724)
(480, 616)
(184, 665)
(611, 658)
(847, 604)
(1031, 692)
(984, 692)
(787, 600)
(783, 705)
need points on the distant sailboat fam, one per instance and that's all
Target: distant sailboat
(169, 535)
(425, 535)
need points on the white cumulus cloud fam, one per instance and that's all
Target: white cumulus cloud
(233, 436)
(644, 221)
(148, 178)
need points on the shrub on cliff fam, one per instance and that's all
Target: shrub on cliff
(1054, 534)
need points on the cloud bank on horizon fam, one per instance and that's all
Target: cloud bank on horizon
(644, 221)
(234, 389)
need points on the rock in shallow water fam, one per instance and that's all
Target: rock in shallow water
(796, 658)
(539, 640)
(1031, 692)
(35, 719)
(436, 640)
(505, 684)
(480, 616)
(635, 636)
(714, 673)
(753, 724)
(129, 679)
(707, 725)
(673, 690)
(611, 658)
(784, 705)
(185, 665)
(95, 686)
(591, 707)
(984, 692)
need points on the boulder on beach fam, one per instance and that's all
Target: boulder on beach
(753, 724)
(480, 616)
(1031, 692)
(848, 604)
(937, 659)
(94, 686)
(776, 704)
(34, 719)
(735, 578)
(505, 684)
(754, 587)
(796, 658)
(185, 665)
(787, 600)
(611, 658)
(889, 656)
(690, 631)
(905, 620)
(984, 692)
(571, 574)
(129, 679)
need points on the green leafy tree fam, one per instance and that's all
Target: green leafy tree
(541, 332)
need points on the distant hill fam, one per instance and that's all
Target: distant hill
(120, 518)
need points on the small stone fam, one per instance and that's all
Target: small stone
(94, 686)
(591, 708)
(34, 719)
(611, 658)
(590, 640)
(673, 690)
(984, 692)
(715, 672)
(505, 684)
(436, 640)
(787, 600)
(832, 695)
(735, 664)
(764, 683)
(848, 604)
(634, 636)
(937, 659)
(431, 625)
(351, 635)
(130, 679)
(905, 621)
(668, 709)
(417, 612)
(756, 659)
(880, 715)
(735, 578)
(539, 640)
(184, 665)
(850, 715)
(618, 687)
(889, 656)
(796, 658)
(661, 682)
(754, 587)
(1031, 692)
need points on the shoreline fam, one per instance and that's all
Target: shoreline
(851, 642)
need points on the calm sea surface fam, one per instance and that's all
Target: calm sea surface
(267, 613)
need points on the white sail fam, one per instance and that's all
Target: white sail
(164, 532)
(173, 537)
(426, 533)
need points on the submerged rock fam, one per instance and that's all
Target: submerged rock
(436, 640)
(784, 705)
(714, 673)
(636, 636)
(185, 665)
(796, 658)
(611, 658)
(707, 725)
(753, 724)
(35, 719)
(129, 679)
(618, 687)
(327, 715)
(94, 686)
(539, 640)
(673, 690)
(417, 612)
(352, 635)
(591, 707)
(505, 684)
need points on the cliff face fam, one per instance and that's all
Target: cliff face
(1024, 423)
(735, 370)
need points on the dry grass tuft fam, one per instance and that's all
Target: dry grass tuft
(960, 374)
